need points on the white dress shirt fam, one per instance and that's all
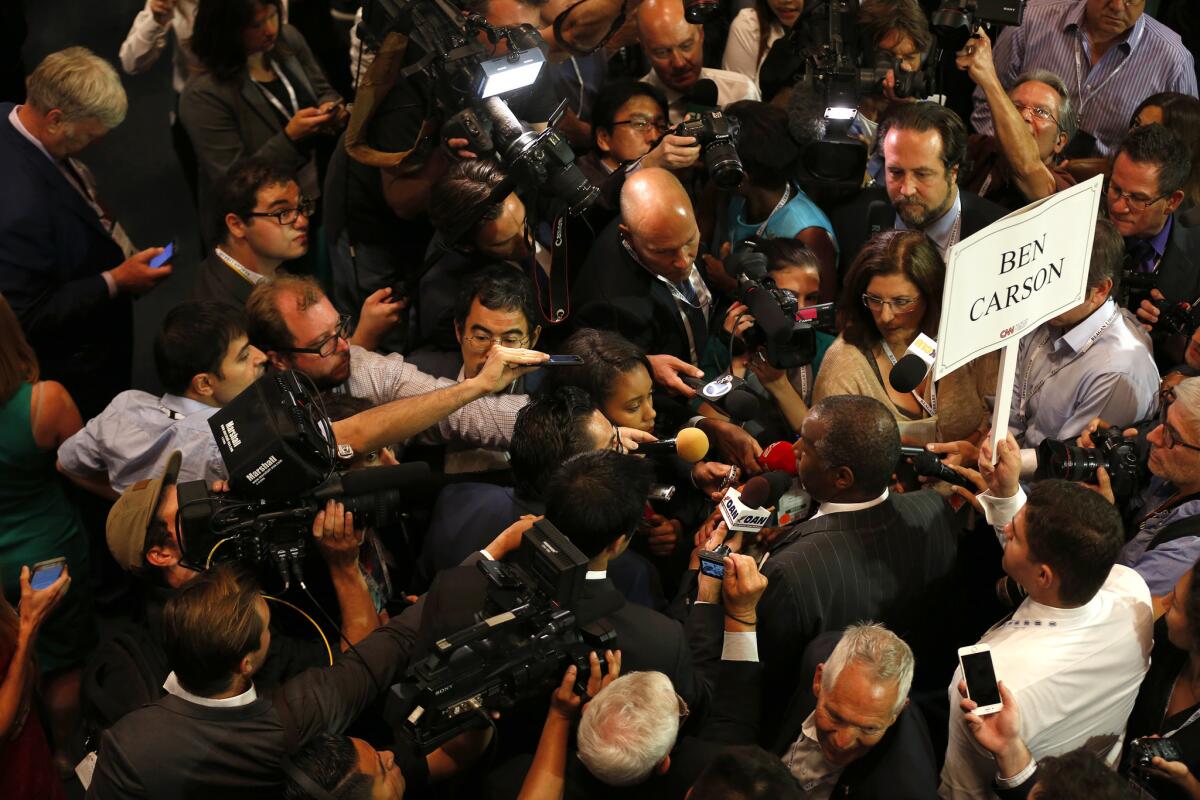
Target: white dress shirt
(1075, 673)
(837, 508)
(171, 686)
(806, 762)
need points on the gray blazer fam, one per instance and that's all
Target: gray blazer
(232, 120)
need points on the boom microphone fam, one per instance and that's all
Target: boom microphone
(928, 465)
(690, 444)
(727, 394)
(911, 369)
(702, 96)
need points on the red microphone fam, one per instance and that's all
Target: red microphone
(778, 456)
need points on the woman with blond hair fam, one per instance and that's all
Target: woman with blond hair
(39, 523)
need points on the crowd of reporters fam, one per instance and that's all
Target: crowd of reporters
(612, 358)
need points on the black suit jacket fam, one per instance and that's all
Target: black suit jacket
(52, 251)
(217, 283)
(1179, 272)
(891, 563)
(853, 227)
(615, 293)
(900, 767)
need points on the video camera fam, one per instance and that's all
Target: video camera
(789, 340)
(955, 21)
(469, 83)
(520, 650)
(279, 450)
(1118, 455)
(1175, 318)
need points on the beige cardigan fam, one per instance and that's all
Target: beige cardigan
(961, 410)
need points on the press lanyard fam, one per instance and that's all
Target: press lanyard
(1027, 393)
(273, 100)
(930, 407)
(679, 298)
(787, 193)
(253, 277)
(1195, 714)
(1079, 75)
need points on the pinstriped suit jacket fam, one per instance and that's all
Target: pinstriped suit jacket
(891, 563)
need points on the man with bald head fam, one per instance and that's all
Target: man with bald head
(675, 50)
(640, 278)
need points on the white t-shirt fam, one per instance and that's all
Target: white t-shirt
(741, 47)
(1074, 671)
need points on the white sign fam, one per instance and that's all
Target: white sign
(1015, 274)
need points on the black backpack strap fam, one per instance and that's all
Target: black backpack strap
(1180, 528)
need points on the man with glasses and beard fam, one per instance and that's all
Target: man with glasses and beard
(923, 146)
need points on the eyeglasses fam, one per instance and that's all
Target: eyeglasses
(479, 341)
(1135, 203)
(1170, 436)
(642, 125)
(900, 305)
(288, 216)
(327, 346)
(684, 711)
(1040, 112)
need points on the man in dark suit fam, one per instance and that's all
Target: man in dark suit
(1145, 191)
(66, 267)
(850, 724)
(865, 554)
(923, 147)
(640, 279)
(259, 221)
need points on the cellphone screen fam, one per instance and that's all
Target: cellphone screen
(981, 678)
(164, 256)
(712, 569)
(563, 361)
(46, 576)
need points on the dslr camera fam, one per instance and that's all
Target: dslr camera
(1144, 750)
(716, 134)
(789, 341)
(1118, 455)
(955, 21)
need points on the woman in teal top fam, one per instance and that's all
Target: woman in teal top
(38, 523)
(767, 205)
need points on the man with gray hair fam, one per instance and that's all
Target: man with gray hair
(858, 706)
(66, 266)
(1033, 122)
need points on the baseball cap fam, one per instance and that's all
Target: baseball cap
(130, 517)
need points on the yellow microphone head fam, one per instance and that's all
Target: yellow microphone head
(691, 444)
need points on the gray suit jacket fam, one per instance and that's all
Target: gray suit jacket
(891, 563)
(231, 120)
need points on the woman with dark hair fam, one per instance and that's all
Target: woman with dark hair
(767, 204)
(893, 293)
(1180, 113)
(38, 523)
(754, 30)
(1168, 703)
(262, 93)
(617, 376)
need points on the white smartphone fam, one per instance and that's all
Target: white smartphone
(980, 675)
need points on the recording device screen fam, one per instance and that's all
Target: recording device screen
(713, 568)
(981, 678)
(46, 573)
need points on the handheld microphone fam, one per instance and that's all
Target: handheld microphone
(914, 365)
(702, 96)
(880, 217)
(778, 457)
(727, 394)
(746, 510)
(928, 465)
(690, 444)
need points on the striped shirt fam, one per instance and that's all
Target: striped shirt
(1151, 59)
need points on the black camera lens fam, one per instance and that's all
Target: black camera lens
(953, 27)
(721, 160)
(698, 12)
(1067, 462)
